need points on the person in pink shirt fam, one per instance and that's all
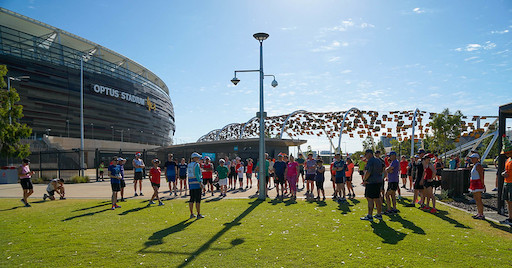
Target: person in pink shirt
(24, 175)
(292, 175)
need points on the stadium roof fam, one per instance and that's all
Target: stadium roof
(31, 26)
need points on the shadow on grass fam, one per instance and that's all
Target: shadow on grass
(443, 215)
(126, 212)
(275, 201)
(86, 214)
(345, 207)
(407, 224)
(104, 203)
(218, 198)
(13, 208)
(388, 234)
(504, 228)
(157, 237)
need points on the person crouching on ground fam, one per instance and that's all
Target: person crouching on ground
(477, 185)
(222, 175)
(25, 175)
(115, 181)
(195, 184)
(155, 174)
(55, 185)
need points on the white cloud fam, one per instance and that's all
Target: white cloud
(470, 58)
(348, 24)
(288, 28)
(332, 46)
(474, 47)
(501, 32)
(435, 95)
(346, 71)
(334, 59)
(418, 10)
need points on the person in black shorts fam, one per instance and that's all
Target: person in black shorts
(279, 169)
(25, 175)
(418, 175)
(319, 179)
(373, 180)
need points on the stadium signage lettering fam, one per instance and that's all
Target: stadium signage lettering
(118, 94)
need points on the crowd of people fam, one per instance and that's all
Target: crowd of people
(421, 175)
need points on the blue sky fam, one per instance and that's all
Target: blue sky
(326, 55)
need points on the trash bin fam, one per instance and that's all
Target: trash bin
(463, 177)
(449, 181)
(8, 175)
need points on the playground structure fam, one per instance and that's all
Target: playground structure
(400, 125)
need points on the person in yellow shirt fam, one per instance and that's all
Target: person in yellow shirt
(507, 175)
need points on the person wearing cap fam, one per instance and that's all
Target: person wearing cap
(120, 163)
(115, 181)
(507, 179)
(310, 166)
(207, 174)
(25, 175)
(171, 171)
(55, 185)
(477, 185)
(373, 181)
(392, 172)
(155, 176)
(195, 184)
(279, 169)
(139, 166)
(222, 175)
(428, 183)
(339, 167)
(418, 176)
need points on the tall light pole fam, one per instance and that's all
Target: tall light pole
(81, 116)
(9, 78)
(261, 115)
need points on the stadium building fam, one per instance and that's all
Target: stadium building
(123, 100)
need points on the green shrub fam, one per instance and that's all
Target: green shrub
(489, 162)
(40, 180)
(79, 179)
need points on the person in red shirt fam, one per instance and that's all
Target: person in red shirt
(348, 175)
(207, 172)
(403, 171)
(248, 173)
(155, 174)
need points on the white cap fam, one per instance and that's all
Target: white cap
(474, 155)
(195, 155)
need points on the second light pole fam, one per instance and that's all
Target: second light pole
(261, 115)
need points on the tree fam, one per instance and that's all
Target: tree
(11, 133)
(446, 128)
(401, 147)
(380, 147)
(368, 143)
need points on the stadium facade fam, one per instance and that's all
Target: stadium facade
(123, 101)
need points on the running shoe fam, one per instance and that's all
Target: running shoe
(135, 194)
(199, 216)
(495, 189)
(395, 210)
(23, 201)
(151, 202)
(378, 217)
(388, 212)
(367, 218)
(433, 210)
(63, 198)
(112, 208)
(507, 221)
(44, 197)
(117, 206)
(141, 194)
(27, 205)
(160, 204)
(192, 216)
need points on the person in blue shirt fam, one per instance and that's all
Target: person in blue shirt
(120, 163)
(182, 170)
(279, 168)
(170, 174)
(115, 181)
(339, 167)
(373, 180)
(195, 183)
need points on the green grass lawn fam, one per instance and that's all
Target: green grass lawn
(243, 233)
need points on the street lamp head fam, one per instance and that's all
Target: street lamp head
(235, 81)
(274, 83)
(260, 36)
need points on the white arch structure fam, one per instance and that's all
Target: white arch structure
(283, 127)
(222, 129)
(243, 128)
(343, 125)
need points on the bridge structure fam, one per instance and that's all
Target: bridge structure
(408, 125)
